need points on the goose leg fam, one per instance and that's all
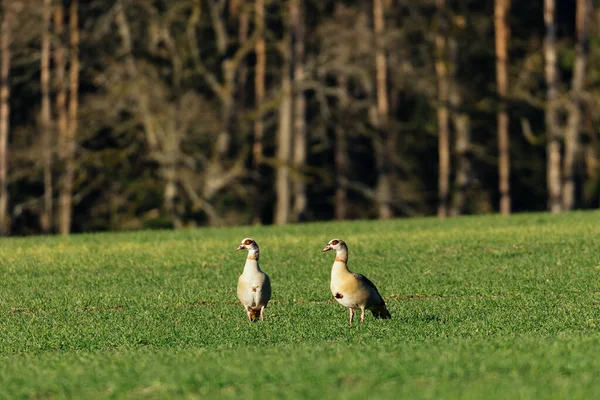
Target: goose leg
(362, 316)
(351, 315)
(262, 313)
(248, 313)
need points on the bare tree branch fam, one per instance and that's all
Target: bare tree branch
(216, 9)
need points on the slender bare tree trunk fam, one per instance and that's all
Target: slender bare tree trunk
(462, 129)
(238, 13)
(61, 105)
(299, 157)
(383, 190)
(259, 93)
(171, 151)
(572, 132)
(552, 120)
(243, 28)
(463, 163)
(284, 144)
(441, 70)
(143, 103)
(46, 122)
(341, 171)
(341, 163)
(5, 54)
(501, 10)
(592, 167)
(67, 149)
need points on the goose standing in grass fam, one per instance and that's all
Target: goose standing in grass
(254, 286)
(352, 290)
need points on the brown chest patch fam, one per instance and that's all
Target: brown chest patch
(338, 295)
(254, 288)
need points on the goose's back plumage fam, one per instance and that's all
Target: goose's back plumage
(353, 290)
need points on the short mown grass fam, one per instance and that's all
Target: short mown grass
(482, 307)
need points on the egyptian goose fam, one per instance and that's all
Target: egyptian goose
(352, 290)
(254, 286)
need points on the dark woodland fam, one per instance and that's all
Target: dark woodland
(143, 114)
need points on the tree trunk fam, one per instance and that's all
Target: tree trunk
(462, 129)
(592, 169)
(341, 163)
(383, 190)
(68, 142)
(284, 144)
(463, 163)
(299, 157)
(502, 33)
(552, 120)
(441, 70)
(259, 93)
(61, 107)
(171, 152)
(572, 132)
(159, 143)
(46, 122)
(243, 27)
(5, 54)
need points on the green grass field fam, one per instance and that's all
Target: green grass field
(482, 307)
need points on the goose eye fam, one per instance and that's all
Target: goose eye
(334, 242)
(247, 242)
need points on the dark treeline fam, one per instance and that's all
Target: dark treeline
(131, 114)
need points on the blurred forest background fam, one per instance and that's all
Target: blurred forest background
(131, 114)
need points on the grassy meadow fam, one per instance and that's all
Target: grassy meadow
(482, 307)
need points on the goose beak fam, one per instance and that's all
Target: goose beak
(241, 247)
(326, 248)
